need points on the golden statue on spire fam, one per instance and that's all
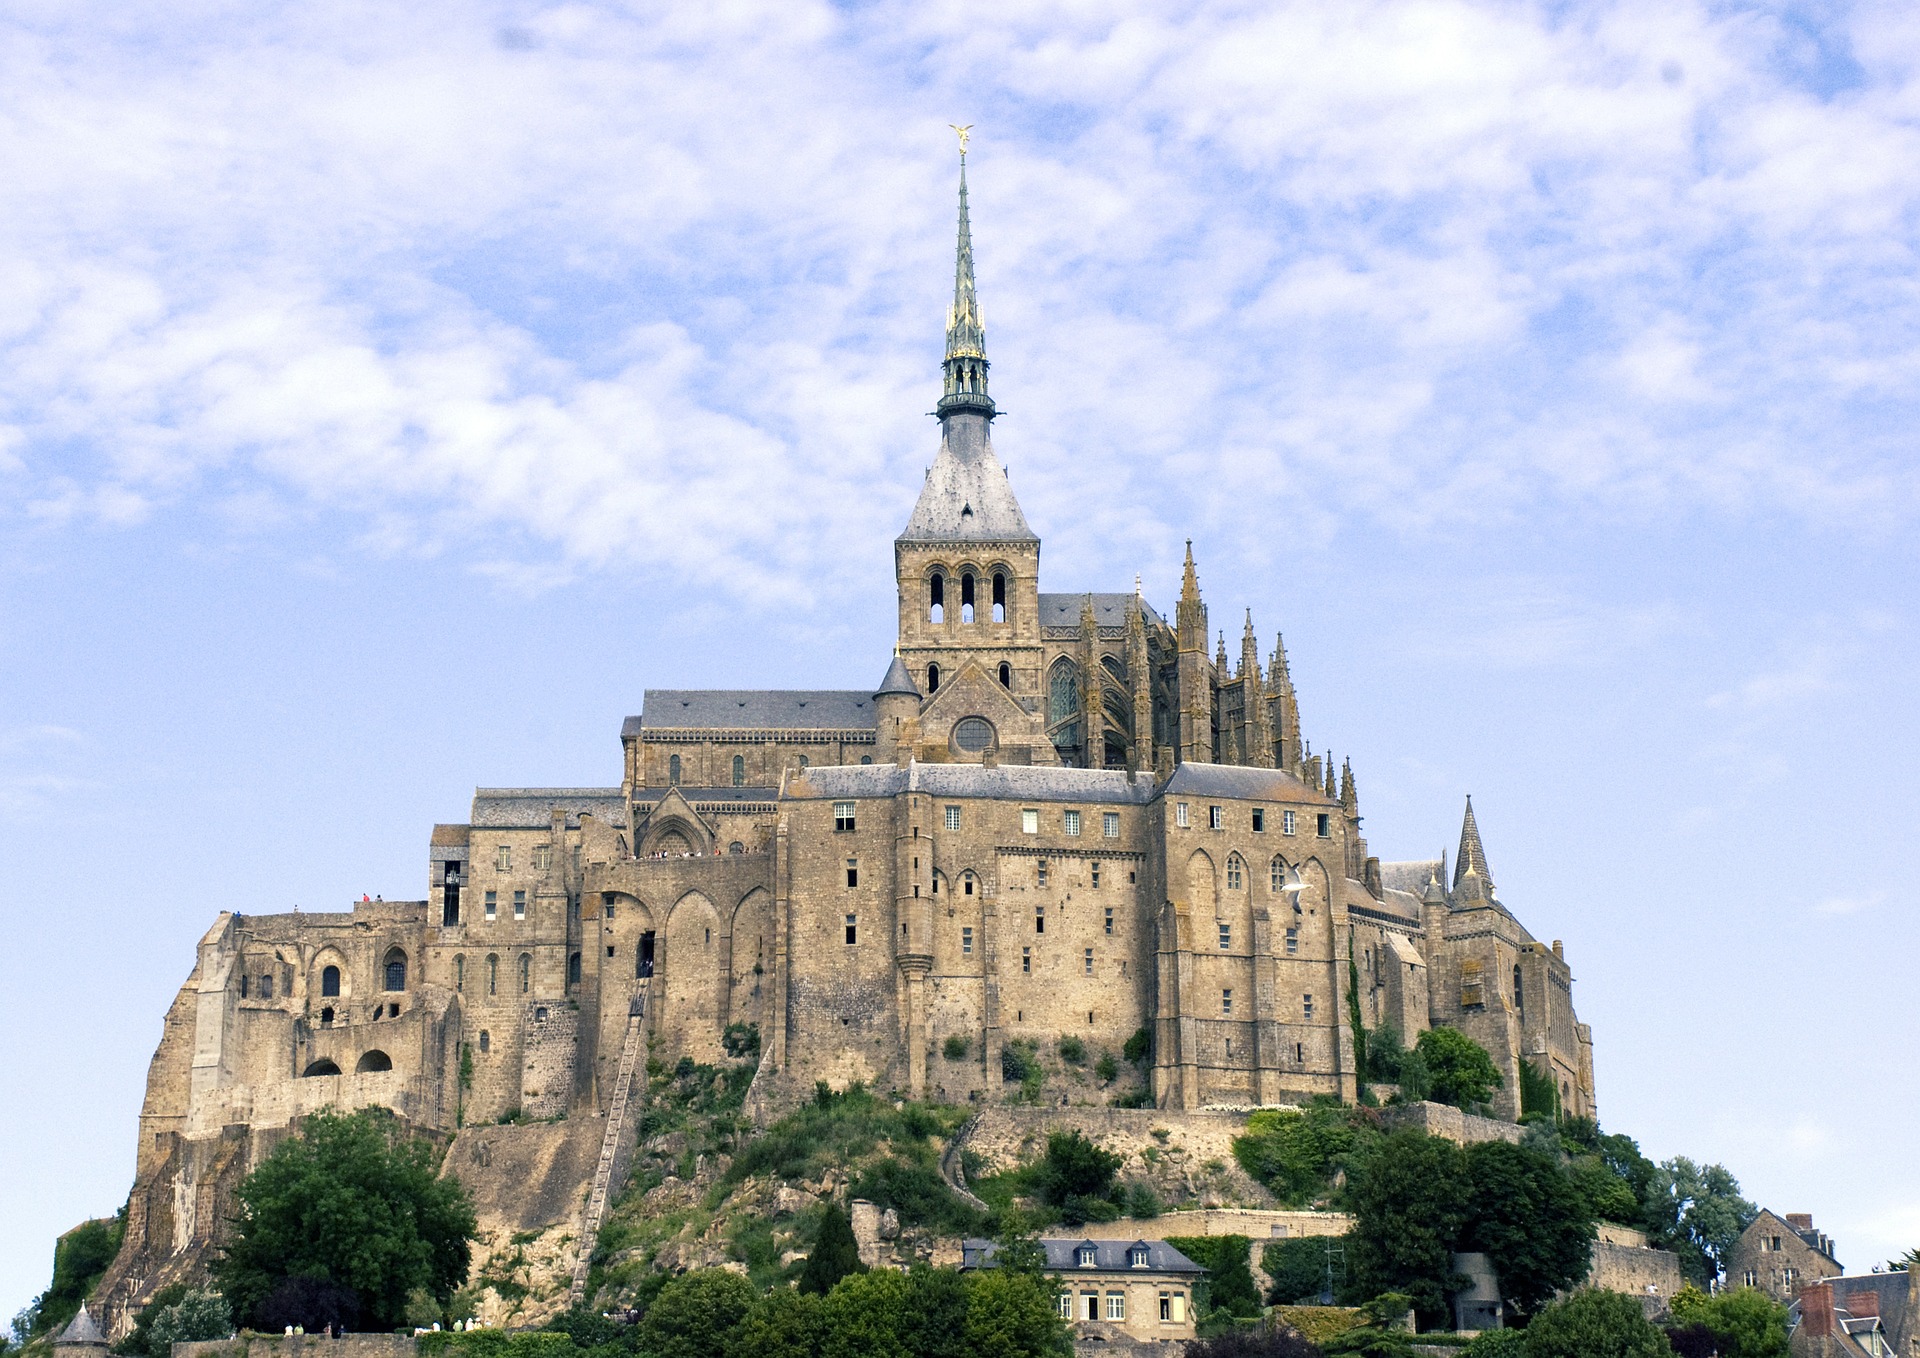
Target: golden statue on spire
(962, 131)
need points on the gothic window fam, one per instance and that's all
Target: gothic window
(1236, 872)
(673, 769)
(396, 970)
(1063, 703)
(933, 679)
(330, 981)
(266, 987)
(999, 596)
(739, 770)
(937, 598)
(1276, 873)
(526, 973)
(1006, 675)
(493, 975)
(966, 597)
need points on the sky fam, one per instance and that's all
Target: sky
(389, 394)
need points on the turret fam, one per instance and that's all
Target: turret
(1471, 880)
(1196, 683)
(1254, 713)
(1284, 709)
(896, 705)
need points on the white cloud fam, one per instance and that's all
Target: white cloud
(592, 286)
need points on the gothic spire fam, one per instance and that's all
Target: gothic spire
(1472, 858)
(965, 365)
(1349, 793)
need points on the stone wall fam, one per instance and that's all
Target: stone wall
(549, 1040)
(300, 1346)
(1638, 1272)
(1437, 1119)
(1258, 1225)
(1188, 1155)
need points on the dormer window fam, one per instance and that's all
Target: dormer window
(1089, 1255)
(1137, 1256)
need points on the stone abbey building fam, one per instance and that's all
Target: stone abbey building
(1053, 815)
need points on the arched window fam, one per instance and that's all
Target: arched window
(739, 770)
(573, 969)
(805, 762)
(999, 596)
(460, 972)
(526, 973)
(933, 679)
(486, 1041)
(1063, 703)
(673, 770)
(373, 1060)
(396, 969)
(736, 847)
(866, 759)
(493, 973)
(937, 598)
(1006, 675)
(321, 1067)
(966, 597)
(1236, 873)
(329, 981)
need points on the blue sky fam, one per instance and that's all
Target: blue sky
(388, 395)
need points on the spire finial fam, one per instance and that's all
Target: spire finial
(964, 387)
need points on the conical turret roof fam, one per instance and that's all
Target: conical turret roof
(1472, 858)
(82, 1329)
(898, 680)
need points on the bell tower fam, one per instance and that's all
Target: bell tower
(967, 565)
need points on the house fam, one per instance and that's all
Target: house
(1873, 1315)
(1142, 1289)
(1779, 1255)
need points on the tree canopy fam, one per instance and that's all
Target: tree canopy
(835, 1253)
(1593, 1323)
(1411, 1201)
(1530, 1221)
(1459, 1070)
(1744, 1323)
(353, 1201)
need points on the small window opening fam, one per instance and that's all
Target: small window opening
(933, 679)
(1000, 599)
(937, 598)
(1109, 919)
(1006, 675)
(966, 597)
(853, 928)
(330, 981)
(673, 769)
(1026, 960)
(739, 770)
(486, 1041)
(853, 872)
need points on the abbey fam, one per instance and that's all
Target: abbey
(1055, 815)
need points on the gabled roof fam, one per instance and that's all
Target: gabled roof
(707, 709)
(1244, 784)
(531, 808)
(967, 497)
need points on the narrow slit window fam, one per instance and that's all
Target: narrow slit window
(853, 930)
(1000, 598)
(937, 598)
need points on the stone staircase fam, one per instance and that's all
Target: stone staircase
(611, 1145)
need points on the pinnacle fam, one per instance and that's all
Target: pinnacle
(1473, 858)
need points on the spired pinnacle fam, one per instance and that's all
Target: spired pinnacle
(964, 385)
(1473, 858)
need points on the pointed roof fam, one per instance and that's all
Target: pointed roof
(898, 680)
(967, 497)
(964, 385)
(82, 1329)
(1472, 858)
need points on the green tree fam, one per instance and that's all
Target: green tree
(865, 1316)
(79, 1258)
(697, 1315)
(1459, 1068)
(1529, 1220)
(1697, 1212)
(1498, 1344)
(1296, 1269)
(354, 1200)
(1139, 1047)
(1593, 1323)
(1230, 1285)
(1296, 1152)
(1745, 1323)
(197, 1315)
(785, 1324)
(1076, 1176)
(1012, 1315)
(136, 1341)
(1264, 1341)
(836, 1254)
(1411, 1199)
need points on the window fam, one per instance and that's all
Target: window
(673, 769)
(460, 972)
(1286, 822)
(330, 981)
(1073, 823)
(326, 1017)
(493, 973)
(519, 905)
(1214, 818)
(804, 762)
(843, 817)
(966, 940)
(1299, 1051)
(966, 597)
(1109, 920)
(972, 735)
(1259, 820)
(1226, 1001)
(1039, 919)
(1088, 1256)
(526, 973)
(573, 968)
(1753, 1278)
(503, 858)
(933, 679)
(1000, 598)
(736, 847)
(853, 872)
(1519, 998)
(1006, 674)
(1226, 937)
(1166, 1306)
(1086, 958)
(966, 883)
(866, 759)
(953, 818)
(1137, 1257)
(739, 770)
(486, 1041)
(244, 979)
(1180, 814)
(1030, 822)
(937, 598)
(1276, 874)
(542, 857)
(1095, 871)
(1293, 940)
(1090, 1304)
(1116, 1306)
(1040, 873)
(1306, 1007)
(396, 968)
(1236, 873)
(1110, 824)
(1065, 1305)
(492, 904)
(1323, 825)
(1026, 961)
(266, 983)
(853, 930)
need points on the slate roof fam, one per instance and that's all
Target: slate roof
(897, 680)
(1253, 785)
(1109, 610)
(1008, 782)
(1891, 1289)
(1110, 1256)
(967, 497)
(82, 1330)
(531, 808)
(1412, 877)
(707, 794)
(705, 709)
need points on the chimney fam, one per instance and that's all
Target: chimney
(1800, 1221)
(1816, 1310)
(1558, 951)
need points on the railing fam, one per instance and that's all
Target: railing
(610, 1144)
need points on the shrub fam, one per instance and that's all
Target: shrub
(197, 1315)
(1072, 1050)
(1107, 1068)
(1143, 1202)
(955, 1048)
(1297, 1268)
(1593, 1323)
(1139, 1047)
(1498, 1344)
(836, 1254)
(1460, 1069)
(1074, 1167)
(741, 1040)
(696, 1315)
(1019, 1062)
(1265, 1341)
(1295, 1153)
(1745, 1323)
